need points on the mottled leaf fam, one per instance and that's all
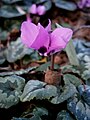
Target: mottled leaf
(68, 91)
(71, 68)
(16, 50)
(2, 56)
(40, 111)
(85, 93)
(79, 109)
(10, 90)
(36, 113)
(3, 35)
(69, 78)
(64, 115)
(86, 76)
(38, 90)
(18, 72)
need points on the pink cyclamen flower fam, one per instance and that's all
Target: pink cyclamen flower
(42, 39)
(40, 10)
(83, 3)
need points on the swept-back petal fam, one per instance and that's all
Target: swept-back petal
(59, 39)
(29, 32)
(41, 9)
(48, 28)
(81, 3)
(33, 9)
(42, 41)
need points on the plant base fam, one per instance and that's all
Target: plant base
(52, 77)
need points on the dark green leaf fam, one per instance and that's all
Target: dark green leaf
(18, 72)
(79, 109)
(16, 50)
(20, 118)
(35, 118)
(39, 90)
(40, 111)
(48, 5)
(70, 68)
(68, 91)
(38, 1)
(67, 5)
(64, 115)
(11, 1)
(10, 90)
(69, 78)
(2, 57)
(9, 11)
(3, 35)
(86, 76)
(85, 93)
(30, 2)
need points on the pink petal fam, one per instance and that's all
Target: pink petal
(42, 39)
(29, 32)
(48, 28)
(88, 3)
(41, 10)
(59, 39)
(33, 9)
(83, 3)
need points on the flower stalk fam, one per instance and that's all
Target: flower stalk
(52, 62)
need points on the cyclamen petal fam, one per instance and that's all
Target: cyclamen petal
(42, 39)
(83, 3)
(59, 39)
(41, 10)
(48, 28)
(39, 38)
(88, 3)
(29, 33)
(33, 9)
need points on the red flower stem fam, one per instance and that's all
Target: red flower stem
(52, 62)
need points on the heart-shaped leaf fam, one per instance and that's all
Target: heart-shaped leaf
(64, 115)
(16, 50)
(10, 90)
(39, 90)
(85, 93)
(69, 78)
(79, 109)
(68, 91)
